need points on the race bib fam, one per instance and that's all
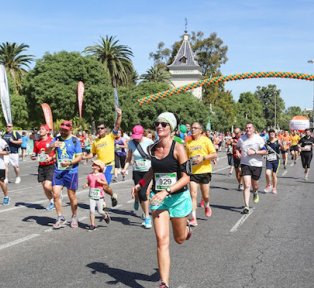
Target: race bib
(164, 180)
(140, 165)
(307, 148)
(60, 166)
(42, 157)
(271, 157)
(94, 193)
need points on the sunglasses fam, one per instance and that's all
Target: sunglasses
(163, 124)
(66, 125)
(100, 128)
(9, 126)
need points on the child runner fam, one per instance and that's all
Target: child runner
(95, 182)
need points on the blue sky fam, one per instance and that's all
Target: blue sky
(263, 35)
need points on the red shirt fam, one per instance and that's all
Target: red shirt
(41, 146)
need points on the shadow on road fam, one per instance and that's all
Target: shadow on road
(230, 208)
(127, 278)
(30, 205)
(41, 220)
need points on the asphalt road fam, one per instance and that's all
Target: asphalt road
(270, 247)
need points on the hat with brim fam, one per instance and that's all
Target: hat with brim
(100, 164)
(137, 132)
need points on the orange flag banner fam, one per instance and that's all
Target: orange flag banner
(80, 96)
(47, 115)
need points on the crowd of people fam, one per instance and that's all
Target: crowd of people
(169, 166)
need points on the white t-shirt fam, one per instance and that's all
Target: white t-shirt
(256, 143)
(3, 145)
(140, 164)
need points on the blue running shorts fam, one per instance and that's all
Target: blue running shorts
(65, 179)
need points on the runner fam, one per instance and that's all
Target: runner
(103, 147)
(137, 148)
(95, 182)
(294, 148)
(170, 197)
(228, 141)
(252, 147)
(284, 142)
(14, 141)
(236, 158)
(306, 144)
(4, 150)
(120, 155)
(68, 155)
(201, 151)
(24, 144)
(46, 163)
(272, 162)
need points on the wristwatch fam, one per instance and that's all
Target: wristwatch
(168, 190)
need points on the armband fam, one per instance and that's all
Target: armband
(186, 167)
(142, 182)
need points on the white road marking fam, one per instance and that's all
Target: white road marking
(241, 221)
(284, 173)
(18, 241)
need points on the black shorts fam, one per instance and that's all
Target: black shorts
(236, 162)
(203, 178)
(2, 174)
(294, 148)
(45, 173)
(137, 176)
(254, 172)
(119, 161)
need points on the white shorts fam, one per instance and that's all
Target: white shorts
(12, 158)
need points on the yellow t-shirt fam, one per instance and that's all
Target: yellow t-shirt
(294, 139)
(203, 147)
(104, 148)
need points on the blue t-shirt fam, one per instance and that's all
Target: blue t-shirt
(68, 150)
(14, 148)
(24, 141)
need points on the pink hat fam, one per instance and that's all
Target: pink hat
(137, 132)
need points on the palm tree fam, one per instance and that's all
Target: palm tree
(115, 57)
(12, 57)
(156, 74)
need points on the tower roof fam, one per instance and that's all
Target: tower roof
(185, 58)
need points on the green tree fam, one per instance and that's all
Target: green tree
(54, 81)
(273, 104)
(15, 61)
(156, 74)
(250, 108)
(115, 57)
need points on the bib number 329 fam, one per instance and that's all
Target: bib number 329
(164, 180)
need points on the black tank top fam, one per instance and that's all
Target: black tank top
(166, 165)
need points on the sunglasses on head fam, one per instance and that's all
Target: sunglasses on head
(66, 125)
(163, 124)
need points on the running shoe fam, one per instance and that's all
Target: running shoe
(147, 223)
(193, 222)
(163, 285)
(115, 180)
(255, 197)
(136, 205)
(18, 180)
(230, 174)
(240, 187)
(306, 177)
(91, 228)
(74, 223)
(60, 222)
(274, 191)
(268, 189)
(50, 207)
(114, 200)
(6, 181)
(202, 203)
(107, 217)
(208, 211)
(246, 210)
(6, 201)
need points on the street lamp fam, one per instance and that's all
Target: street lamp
(312, 62)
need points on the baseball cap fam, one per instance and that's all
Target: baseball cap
(45, 126)
(137, 132)
(99, 164)
(66, 125)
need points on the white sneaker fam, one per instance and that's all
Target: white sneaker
(6, 181)
(18, 180)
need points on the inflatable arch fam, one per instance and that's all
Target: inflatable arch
(216, 80)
